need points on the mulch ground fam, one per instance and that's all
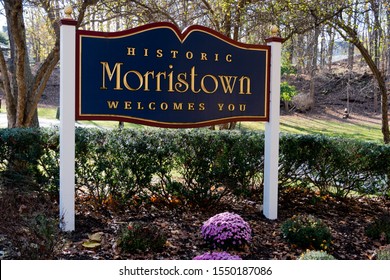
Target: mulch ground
(347, 219)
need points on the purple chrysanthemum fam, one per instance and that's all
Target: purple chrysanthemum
(217, 256)
(226, 230)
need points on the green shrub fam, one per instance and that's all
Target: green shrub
(37, 239)
(20, 152)
(200, 166)
(197, 167)
(333, 165)
(48, 163)
(287, 92)
(140, 237)
(134, 156)
(45, 230)
(306, 231)
(380, 228)
(288, 69)
(92, 163)
(242, 161)
(316, 255)
(383, 253)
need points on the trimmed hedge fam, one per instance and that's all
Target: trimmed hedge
(192, 167)
(335, 165)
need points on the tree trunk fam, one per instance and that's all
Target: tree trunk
(322, 50)
(23, 90)
(300, 53)
(291, 50)
(20, 94)
(314, 64)
(351, 35)
(351, 55)
(330, 48)
(376, 45)
(388, 46)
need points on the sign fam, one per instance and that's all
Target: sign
(156, 75)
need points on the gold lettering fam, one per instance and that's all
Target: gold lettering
(131, 51)
(126, 84)
(140, 107)
(158, 76)
(152, 106)
(201, 107)
(203, 86)
(191, 106)
(112, 104)
(164, 106)
(242, 107)
(220, 106)
(231, 107)
(146, 79)
(193, 75)
(182, 82)
(174, 53)
(248, 85)
(229, 58)
(127, 105)
(170, 79)
(227, 84)
(159, 53)
(189, 55)
(216, 57)
(177, 106)
(146, 52)
(116, 70)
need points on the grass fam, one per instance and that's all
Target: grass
(50, 113)
(363, 130)
(334, 128)
(47, 112)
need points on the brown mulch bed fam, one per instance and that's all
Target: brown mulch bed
(347, 218)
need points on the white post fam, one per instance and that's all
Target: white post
(271, 147)
(67, 121)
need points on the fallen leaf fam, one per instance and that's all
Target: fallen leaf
(91, 244)
(96, 236)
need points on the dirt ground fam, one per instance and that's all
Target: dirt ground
(347, 219)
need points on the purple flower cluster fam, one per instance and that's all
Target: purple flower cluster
(217, 256)
(226, 230)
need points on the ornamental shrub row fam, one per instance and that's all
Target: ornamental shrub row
(335, 165)
(191, 167)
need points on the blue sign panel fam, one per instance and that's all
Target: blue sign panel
(158, 76)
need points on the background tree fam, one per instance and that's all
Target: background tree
(357, 22)
(22, 87)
